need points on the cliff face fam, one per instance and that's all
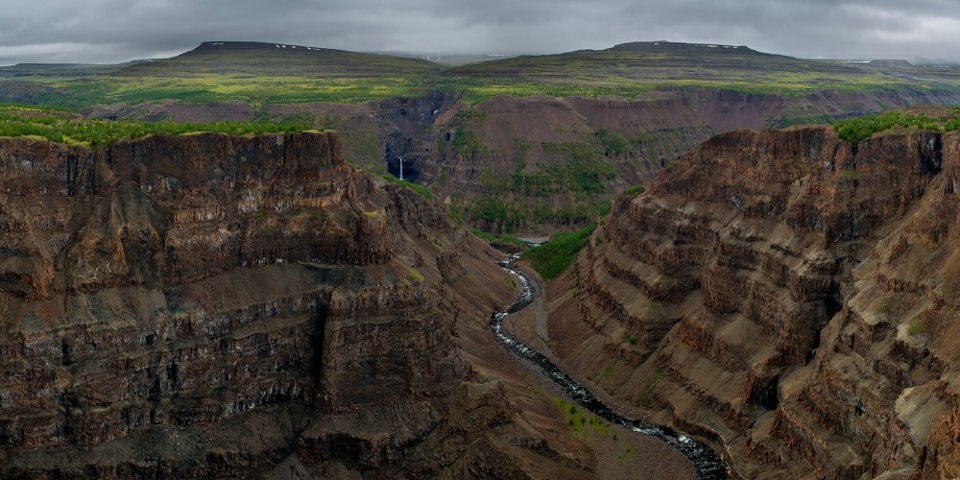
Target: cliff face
(788, 294)
(545, 163)
(210, 305)
(529, 152)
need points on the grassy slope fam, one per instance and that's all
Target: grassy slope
(855, 130)
(250, 72)
(60, 69)
(580, 176)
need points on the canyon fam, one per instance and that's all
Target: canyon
(278, 306)
(787, 295)
(210, 306)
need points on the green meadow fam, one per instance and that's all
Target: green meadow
(855, 130)
(64, 127)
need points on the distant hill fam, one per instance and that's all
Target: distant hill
(451, 60)
(277, 59)
(63, 69)
(275, 73)
(655, 65)
(650, 60)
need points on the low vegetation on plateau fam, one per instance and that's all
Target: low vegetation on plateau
(64, 127)
(855, 130)
(250, 72)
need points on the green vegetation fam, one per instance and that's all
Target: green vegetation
(855, 130)
(578, 173)
(646, 396)
(570, 183)
(628, 450)
(364, 149)
(63, 127)
(498, 239)
(613, 143)
(579, 420)
(634, 189)
(414, 275)
(243, 71)
(634, 70)
(466, 143)
(603, 210)
(554, 257)
(628, 337)
(583, 170)
(78, 94)
(499, 215)
(917, 327)
(419, 189)
(613, 365)
(787, 120)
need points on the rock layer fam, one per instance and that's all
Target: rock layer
(506, 137)
(210, 306)
(790, 296)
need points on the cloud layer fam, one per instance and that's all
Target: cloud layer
(120, 30)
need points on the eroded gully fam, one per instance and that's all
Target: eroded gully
(708, 464)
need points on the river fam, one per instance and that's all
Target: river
(708, 464)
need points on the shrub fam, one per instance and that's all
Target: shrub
(419, 189)
(414, 275)
(855, 130)
(917, 327)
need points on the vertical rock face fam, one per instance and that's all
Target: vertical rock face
(172, 284)
(790, 295)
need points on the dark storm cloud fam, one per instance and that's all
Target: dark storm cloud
(118, 30)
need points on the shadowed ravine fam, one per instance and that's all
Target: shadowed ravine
(707, 463)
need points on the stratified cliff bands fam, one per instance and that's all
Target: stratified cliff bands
(216, 306)
(534, 164)
(789, 295)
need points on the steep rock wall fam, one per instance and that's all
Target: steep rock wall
(787, 294)
(165, 298)
(530, 152)
(505, 138)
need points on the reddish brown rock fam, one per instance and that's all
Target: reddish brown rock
(216, 306)
(804, 291)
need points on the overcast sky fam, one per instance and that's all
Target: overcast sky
(119, 30)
